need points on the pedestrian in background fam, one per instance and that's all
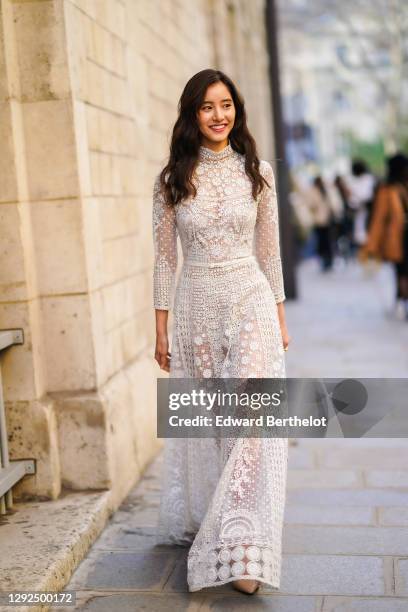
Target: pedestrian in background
(321, 207)
(345, 231)
(301, 214)
(388, 232)
(362, 187)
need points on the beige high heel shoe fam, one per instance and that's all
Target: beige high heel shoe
(249, 587)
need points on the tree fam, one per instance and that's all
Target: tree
(371, 43)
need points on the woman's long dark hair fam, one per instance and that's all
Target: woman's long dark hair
(176, 176)
(319, 183)
(397, 169)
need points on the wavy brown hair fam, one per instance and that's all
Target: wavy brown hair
(176, 176)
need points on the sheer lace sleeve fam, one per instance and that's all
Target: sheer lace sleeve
(267, 249)
(165, 250)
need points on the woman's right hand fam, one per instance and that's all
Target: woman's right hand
(162, 354)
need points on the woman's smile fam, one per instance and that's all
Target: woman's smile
(218, 128)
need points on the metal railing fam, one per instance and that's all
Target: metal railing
(10, 471)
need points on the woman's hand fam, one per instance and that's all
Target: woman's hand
(282, 323)
(285, 336)
(162, 354)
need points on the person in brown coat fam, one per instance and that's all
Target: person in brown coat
(388, 231)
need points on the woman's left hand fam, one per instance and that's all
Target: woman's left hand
(285, 337)
(282, 323)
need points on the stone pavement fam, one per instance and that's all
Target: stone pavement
(346, 519)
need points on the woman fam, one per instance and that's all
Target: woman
(362, 185)
(321, 207)
(345, 225)
(388, 232)
(227, 500)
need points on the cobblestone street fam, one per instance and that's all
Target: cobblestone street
(346, 520)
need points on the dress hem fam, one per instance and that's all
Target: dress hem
(233, 579)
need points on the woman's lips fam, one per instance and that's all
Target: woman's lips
(218, 128)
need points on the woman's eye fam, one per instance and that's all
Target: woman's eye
(208, 108)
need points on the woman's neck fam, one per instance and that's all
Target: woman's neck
(214, 146)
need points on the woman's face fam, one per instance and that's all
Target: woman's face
(216, 115)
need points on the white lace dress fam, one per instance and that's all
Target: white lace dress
(224, 497)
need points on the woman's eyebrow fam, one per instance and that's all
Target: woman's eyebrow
(211, 102)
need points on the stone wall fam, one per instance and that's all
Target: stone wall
(88, 96)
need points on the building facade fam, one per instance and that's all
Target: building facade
(88, 96)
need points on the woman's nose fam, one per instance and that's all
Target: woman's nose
(218, 114)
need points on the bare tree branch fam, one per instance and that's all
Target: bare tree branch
(369, 37)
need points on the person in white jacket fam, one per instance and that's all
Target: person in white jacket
(361, 185)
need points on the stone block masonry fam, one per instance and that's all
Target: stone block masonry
(88, 96)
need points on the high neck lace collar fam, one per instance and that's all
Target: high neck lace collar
(206, 154)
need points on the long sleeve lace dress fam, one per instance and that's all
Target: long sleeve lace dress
(225, 500)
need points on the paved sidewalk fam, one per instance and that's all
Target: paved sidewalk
(343, 324)
(346, 519)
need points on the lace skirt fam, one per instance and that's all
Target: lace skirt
(225, 497)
